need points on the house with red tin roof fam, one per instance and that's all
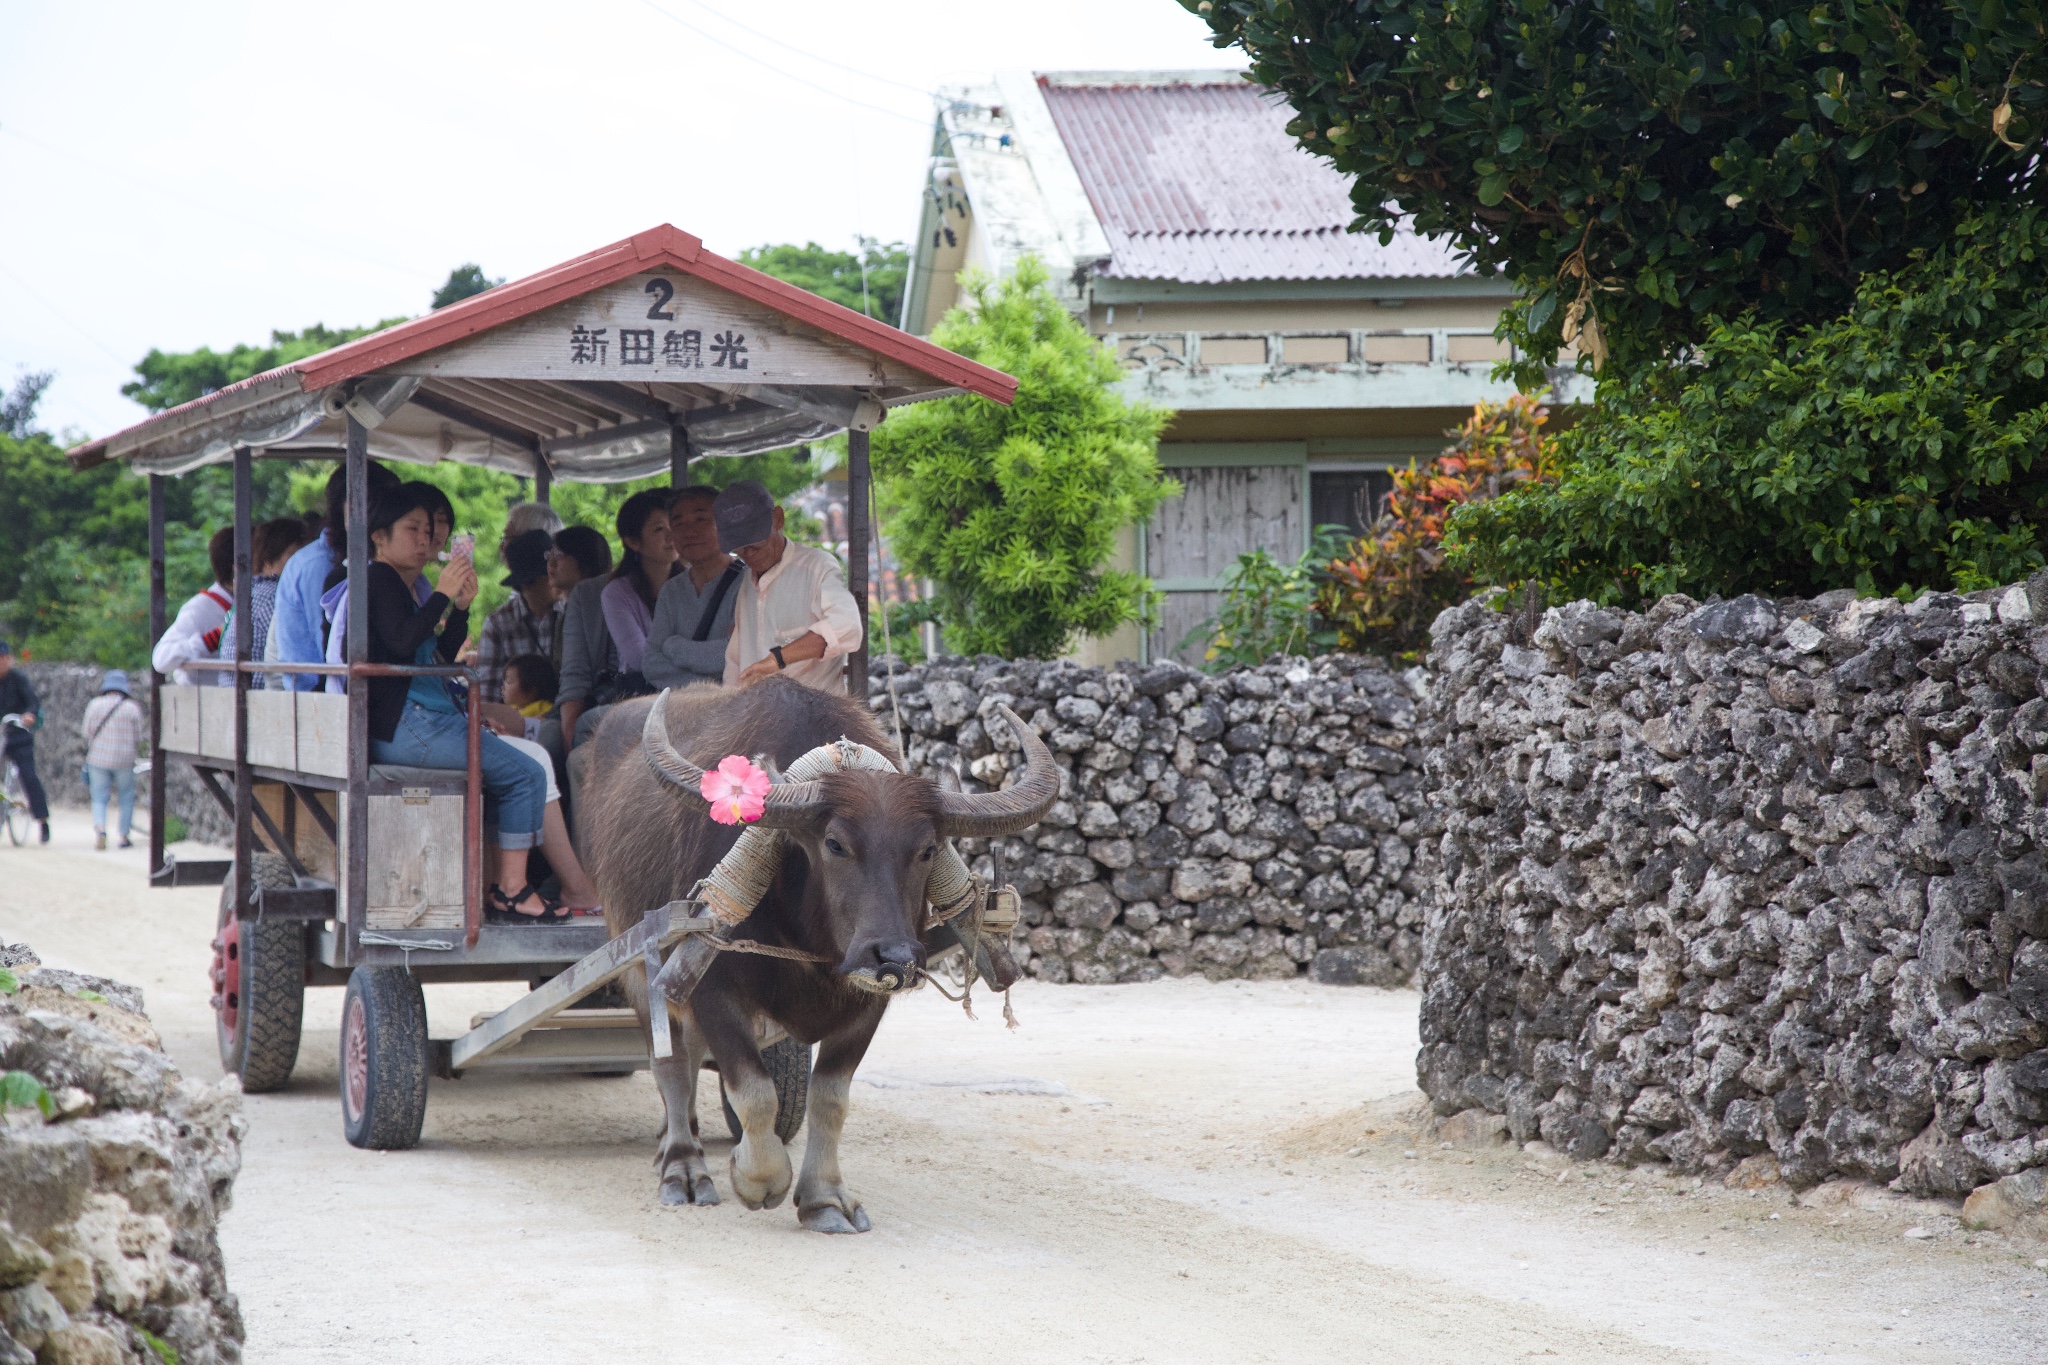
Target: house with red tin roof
(1179, 218)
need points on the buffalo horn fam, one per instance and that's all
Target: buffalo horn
(989, 814)
(789, 804)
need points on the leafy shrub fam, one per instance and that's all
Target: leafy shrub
(1382, 594)
(1014, 511)
(1269, 608)
(1892, 448)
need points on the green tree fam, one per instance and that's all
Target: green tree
(868, 280)
(74, 565)
(1895, 447)
(1639, 169)
(463, 281)
(169, 378)
(1015, 510)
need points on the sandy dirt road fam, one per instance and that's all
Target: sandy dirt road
(1174, 1172)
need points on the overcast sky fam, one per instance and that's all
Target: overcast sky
(199, 173)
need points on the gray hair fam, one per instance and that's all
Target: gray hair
(522, 517)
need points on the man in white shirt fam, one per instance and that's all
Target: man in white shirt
(195, 634)
(794, 614)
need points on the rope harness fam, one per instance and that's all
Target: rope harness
(731, 891)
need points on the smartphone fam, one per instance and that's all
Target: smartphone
(462, 545)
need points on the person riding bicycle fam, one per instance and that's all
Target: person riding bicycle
(18, 697)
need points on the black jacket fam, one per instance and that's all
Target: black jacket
(18, 695)
(397, 629)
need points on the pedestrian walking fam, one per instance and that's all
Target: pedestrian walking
(113, 735)
(18, 699)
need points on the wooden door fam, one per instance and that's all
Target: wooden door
(1193, 542)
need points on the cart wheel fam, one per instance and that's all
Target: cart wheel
(789, 1063)
(259, 985)
(384, 1059)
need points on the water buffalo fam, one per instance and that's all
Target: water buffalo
(858, 850)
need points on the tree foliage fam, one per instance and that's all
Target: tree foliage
(168, 378)
(1015, 510)
(74, 565)
(1895, 447)
(1386, 589)
(868, 280)
(1648, 165)
(463, 282)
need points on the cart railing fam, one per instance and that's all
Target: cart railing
(244, 810)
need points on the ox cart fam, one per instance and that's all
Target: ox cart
(620, 364)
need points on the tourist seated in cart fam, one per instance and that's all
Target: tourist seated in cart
(418, 722)
(271, 548)
(629, 599)
(297, 625)
(196, 633)
(693, 616)
(334, 601)
(579, 568)
(527, 622)
(530, 683)
(794, 614)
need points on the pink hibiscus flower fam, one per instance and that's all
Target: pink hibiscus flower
(737, 791)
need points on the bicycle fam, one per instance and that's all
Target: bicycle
(13, 800)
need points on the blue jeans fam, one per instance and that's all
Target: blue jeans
(515, 791)
(121, 779)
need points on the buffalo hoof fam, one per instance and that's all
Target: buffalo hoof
(688, 1190)
(828, 1218)
(760, 1190)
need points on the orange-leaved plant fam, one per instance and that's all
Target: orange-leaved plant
(1386, 589)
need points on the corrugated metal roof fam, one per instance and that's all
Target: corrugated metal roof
(1200, 181)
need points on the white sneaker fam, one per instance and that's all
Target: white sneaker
(99, 840)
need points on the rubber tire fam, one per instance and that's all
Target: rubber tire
(789, 1065)
(385, 1015)
(263, 1047)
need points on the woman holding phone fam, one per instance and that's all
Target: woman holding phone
(419, 722)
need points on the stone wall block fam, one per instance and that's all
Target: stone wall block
(1188, 802)
(1757, 882)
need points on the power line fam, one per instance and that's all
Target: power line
(64, 317)
(243, 221)
(811, 56)
(786, 75)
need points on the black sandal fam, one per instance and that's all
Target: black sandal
(500, 908)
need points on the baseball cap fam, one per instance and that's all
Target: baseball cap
(744, 514)
(526, 555)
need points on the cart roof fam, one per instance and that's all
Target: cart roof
(589, 365)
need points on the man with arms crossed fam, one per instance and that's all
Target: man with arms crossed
(794, 613)
(694, 614)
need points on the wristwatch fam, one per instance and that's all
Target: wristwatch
(780, 662)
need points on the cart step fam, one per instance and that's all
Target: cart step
(575, 1018)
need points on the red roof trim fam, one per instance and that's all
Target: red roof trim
(660, 247)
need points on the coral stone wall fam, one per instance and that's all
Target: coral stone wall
(1265, 822)
(1747, 880)
(109, 1205)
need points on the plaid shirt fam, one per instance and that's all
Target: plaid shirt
(513, 630)
(119, 735)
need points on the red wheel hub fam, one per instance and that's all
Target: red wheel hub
(355, 1057)
(227, 976)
